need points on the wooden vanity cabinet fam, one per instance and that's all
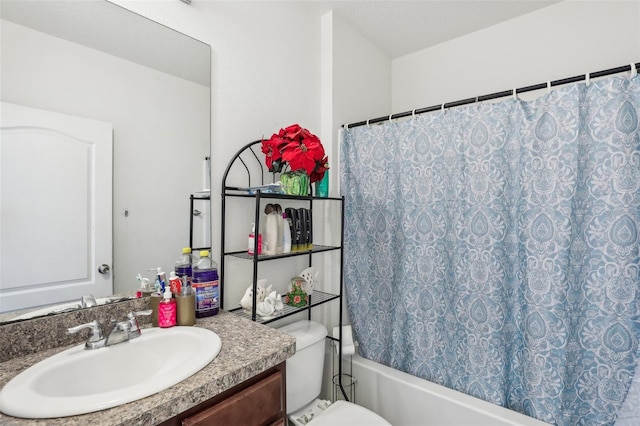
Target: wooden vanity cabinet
(259, 401)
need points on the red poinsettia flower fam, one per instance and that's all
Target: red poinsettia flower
(318, 173)
(298, 147)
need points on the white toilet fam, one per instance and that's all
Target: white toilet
(304, 382)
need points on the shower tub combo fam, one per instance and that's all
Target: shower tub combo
(406, 400)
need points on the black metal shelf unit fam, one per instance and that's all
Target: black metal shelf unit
(247, 166)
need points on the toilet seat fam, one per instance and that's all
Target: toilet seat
(348, 414)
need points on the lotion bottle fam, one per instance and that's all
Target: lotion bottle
(167, 310)
(286, 225)
(252, 240)
(270, 230)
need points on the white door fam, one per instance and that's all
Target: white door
(55, 207)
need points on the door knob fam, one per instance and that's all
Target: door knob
(103, 269)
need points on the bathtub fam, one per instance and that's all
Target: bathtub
(405, 400)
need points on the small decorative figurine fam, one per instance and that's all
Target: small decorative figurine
(271, 306)
(297, 296)
(261, 293)
(310, 275)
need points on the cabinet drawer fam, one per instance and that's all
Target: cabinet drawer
(259, 405)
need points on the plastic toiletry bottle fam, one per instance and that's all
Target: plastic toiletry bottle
(183, 265)
(167, 310)
(175, 283)
(280, 229)
(270, 230)
(161, 279)
(309, 218)
(292, 215)
(304, 242)
(286, 234)
(252, 240)
(205, 286)
(186, 304)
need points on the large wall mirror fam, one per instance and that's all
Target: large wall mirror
(99, 61)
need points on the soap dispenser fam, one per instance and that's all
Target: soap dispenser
(167, 310)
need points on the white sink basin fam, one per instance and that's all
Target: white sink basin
(78, 381)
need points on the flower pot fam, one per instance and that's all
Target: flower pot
(295, 183)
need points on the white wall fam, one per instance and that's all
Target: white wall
(265, 76)
(562, 40)
(356, 83)
(149, 123)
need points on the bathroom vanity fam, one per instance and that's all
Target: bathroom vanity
(246, 381)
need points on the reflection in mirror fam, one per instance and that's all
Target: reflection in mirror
(99, 61)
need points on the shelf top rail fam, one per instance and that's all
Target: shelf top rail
(247, 169)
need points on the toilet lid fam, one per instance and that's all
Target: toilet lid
(348, 414)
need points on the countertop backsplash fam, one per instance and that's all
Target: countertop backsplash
(38, 334)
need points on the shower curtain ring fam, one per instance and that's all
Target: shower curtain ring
(413, 114)
(549, 86)
(368, 125)
(390, 118)
(634, 69)
(514, 93)
(442, 108)
(587, 78)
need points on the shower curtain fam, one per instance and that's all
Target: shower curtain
(494, 248)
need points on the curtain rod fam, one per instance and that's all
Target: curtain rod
(496, 95)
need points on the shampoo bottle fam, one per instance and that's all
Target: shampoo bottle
(286, 226)
(167, 310)
(270, 230)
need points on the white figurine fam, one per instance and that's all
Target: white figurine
(247, 299)
(310, 275)
(261, 293)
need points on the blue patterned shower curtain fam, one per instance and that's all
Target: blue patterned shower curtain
(494, 248)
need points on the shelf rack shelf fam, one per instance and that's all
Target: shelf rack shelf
(316, 299)
(246, 165)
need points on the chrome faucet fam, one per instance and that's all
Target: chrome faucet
(121, 331)
(96, 340)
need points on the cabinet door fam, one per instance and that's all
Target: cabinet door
(258, 405)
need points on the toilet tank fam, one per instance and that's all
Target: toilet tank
(304, 369)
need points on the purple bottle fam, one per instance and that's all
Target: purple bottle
(183, 264)
(205, 286)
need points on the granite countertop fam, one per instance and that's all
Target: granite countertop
(248, 348)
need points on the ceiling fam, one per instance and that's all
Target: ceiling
(400, 27)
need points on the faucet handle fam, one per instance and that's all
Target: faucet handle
(132, 315)
(96, 340)
(134, 327)
(88, 301)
